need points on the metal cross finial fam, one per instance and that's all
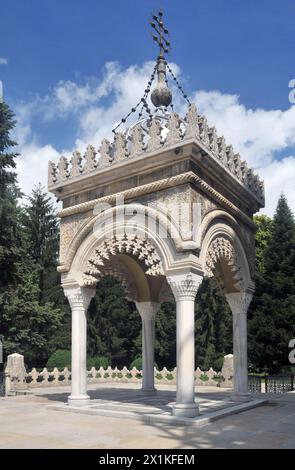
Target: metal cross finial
(161, 33)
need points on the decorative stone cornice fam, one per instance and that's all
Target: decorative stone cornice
(157, 135)
(79, 297)
(147, 310)
(239, 301)
(184, 286)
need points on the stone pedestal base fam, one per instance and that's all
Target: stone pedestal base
(80, 400)
(149, 391)
(185, 410)
(241, 397)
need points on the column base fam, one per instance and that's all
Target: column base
(185, 410)
(78, 400)
(149, 391)
(241, 397)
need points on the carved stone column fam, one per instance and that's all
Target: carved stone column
(147, 311)
(239, 303)
(79, 299)
(184, 288)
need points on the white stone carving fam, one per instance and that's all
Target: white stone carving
(155, 136)
(192, 120)
(90, 160)
(184, 286)
(137, 144)
(105, 153)
(155, 140)
(173, 126)
(131, 244)
(120, 147)
(222, 248)
(76, 164)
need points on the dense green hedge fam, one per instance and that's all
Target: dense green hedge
(62, 358)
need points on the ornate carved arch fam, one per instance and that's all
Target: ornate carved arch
(133, 245)
(222, 250)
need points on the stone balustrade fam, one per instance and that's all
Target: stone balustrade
(57, 377)
(150, 136)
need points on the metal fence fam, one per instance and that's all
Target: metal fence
(270, 383)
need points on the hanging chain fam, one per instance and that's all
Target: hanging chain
(142, 101)
(178, 84)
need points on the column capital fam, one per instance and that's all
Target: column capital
(78, 297)
(147, 310)
(239, 301)
(184, 286)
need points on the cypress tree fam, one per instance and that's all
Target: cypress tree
(272, 314)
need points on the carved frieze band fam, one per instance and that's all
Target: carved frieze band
(188, 177)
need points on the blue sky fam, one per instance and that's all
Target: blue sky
(243, 51)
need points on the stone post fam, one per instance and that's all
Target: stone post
(227, 371)
(15, 373)
(147, 311)
(239, 303)
(184, 288)
(79, 299)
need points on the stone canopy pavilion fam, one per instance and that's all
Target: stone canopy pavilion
(164, 204)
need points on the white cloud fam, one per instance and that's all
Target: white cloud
(3, 61)
(32, 165)
(256, 134)
(279, 176)
(99, 103)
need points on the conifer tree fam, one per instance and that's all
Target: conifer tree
(213, 326)
(272, 313)
(9, 194)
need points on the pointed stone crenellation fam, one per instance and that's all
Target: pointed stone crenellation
(204, 131)
(191, 119)
(173, 126)
(151, 136)
(52, 173)
(213, 141)
(105, 154)
(155, 139)
(76, 168)
(136, 138)
(63, 172)
(120, 147)
(90, 160)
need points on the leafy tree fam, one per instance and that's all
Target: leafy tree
(27, 324)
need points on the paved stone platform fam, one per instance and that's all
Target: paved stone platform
(27, 422)
(131, 403)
